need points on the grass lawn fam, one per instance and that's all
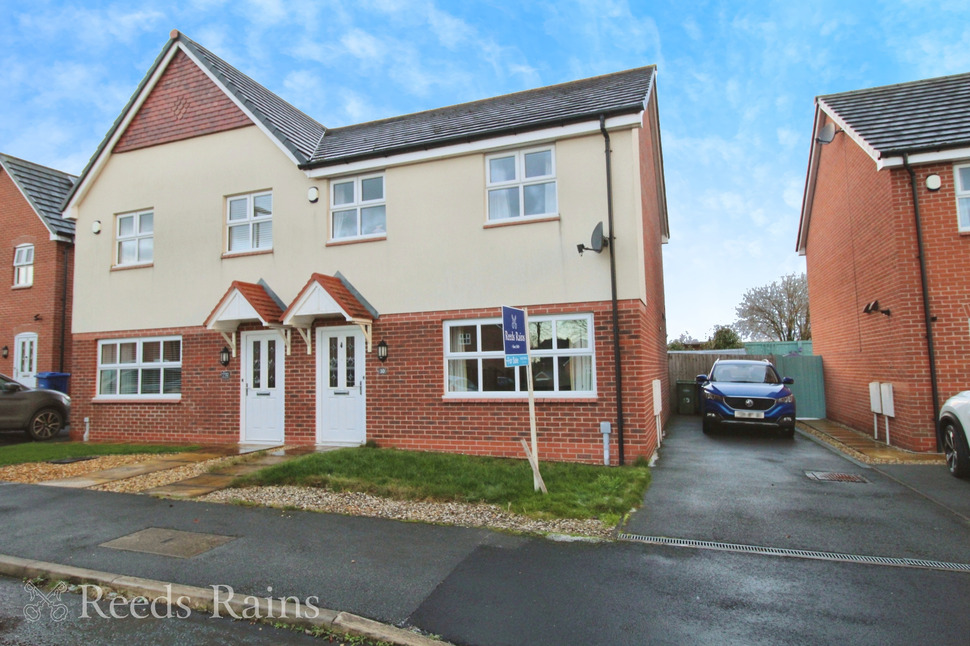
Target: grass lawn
(43, 451)
(575, 490)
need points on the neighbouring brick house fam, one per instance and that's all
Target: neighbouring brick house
(888, 186)
(38, 244)
(231, 221)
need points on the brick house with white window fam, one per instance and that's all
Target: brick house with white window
(235, 227)
(38, 244)
(885, 228)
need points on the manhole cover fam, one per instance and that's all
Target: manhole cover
(168, 542)
(70, 460)
(829, 476)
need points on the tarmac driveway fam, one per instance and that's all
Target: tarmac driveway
(752, 488)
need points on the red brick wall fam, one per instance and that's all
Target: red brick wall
(655, 325)
(862, 247)
(37, 308)
(405, 407)
(183, 104)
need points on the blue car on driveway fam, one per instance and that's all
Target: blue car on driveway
(747, 394)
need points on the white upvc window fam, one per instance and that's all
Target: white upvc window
(962, 176)
(521, 184)
(563, 361)
(135, 235)
(358, 208)
(249, 222)
(23, 265)
(148, 368)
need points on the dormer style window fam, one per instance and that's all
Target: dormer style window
(23, 266)
(962, 177)
(249, 220)
(357, 208)
(136, 238)
(521, 184)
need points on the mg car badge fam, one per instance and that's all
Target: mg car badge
(749, 403)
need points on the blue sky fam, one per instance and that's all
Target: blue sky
(736, 87)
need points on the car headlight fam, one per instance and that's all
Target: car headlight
(713, 397)
(790, 399)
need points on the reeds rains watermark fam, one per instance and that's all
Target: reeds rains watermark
(45, 603)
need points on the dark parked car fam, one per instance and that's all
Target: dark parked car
(38, 412)
(747, 393)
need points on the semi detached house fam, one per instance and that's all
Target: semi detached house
(245, 274)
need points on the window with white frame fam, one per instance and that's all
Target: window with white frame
(140, 368)
(249, 219)
(358, 208)
(136, 238)
(562, 358)
(962, 177)
(521, 184)
(23, 265)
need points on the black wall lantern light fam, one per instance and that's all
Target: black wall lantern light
(224, 356)
(382, 351)
(5, 352)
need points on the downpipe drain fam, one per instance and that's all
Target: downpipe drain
(800, 554)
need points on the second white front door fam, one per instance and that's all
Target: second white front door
(25, 359)
(262, 387)
(341, 393)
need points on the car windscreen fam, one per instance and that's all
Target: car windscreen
(751, 373)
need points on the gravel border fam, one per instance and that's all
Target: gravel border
(446, 513)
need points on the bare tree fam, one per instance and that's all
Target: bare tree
(776, 312)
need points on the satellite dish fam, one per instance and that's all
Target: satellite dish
(826, 134)
(598, 240)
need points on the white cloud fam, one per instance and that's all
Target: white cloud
(365, 47)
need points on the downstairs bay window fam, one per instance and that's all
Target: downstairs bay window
(148, 368)
(562, 358)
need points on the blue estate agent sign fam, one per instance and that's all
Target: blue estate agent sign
(514, 334)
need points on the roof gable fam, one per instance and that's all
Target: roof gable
(44, 189)
(184, 103)
(892, 120)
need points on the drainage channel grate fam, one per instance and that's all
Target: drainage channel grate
(802, 554)
(829, 476)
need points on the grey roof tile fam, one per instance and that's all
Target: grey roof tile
(611, 94)
(298, 132)
(45, 189)
(931, 114)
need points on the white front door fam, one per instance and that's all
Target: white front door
(262, 387)
(341, 396)
(25, 359)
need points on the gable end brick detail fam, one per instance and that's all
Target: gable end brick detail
(184, 103)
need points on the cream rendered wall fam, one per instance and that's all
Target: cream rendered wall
(438, 255)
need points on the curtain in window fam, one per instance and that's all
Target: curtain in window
(581, 373)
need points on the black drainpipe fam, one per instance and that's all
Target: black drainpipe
(64, 305)
(928, 319)
(616, 310)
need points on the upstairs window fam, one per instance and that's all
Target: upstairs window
(136, 238)
(962, 176)
(521, 184)
(249, 219)
(23, 265)
(357, 208)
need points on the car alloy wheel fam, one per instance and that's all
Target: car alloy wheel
(45, 424)
(955, 449)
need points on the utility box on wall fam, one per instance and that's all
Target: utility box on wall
(886, 393)
(875, 397)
